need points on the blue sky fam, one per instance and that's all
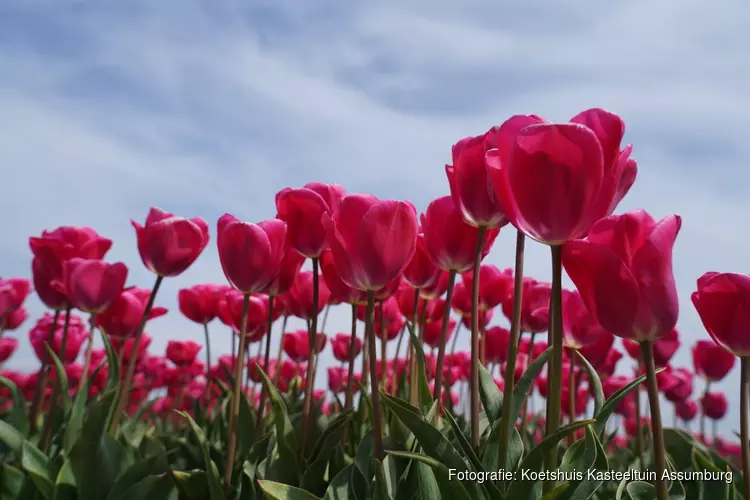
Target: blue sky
(202, 108)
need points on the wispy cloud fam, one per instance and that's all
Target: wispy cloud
(202, 108)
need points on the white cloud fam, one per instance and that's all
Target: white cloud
(204, 109)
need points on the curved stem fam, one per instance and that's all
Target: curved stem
(236, 395)
(438, 391)
(126, 384)
(350, 375)
(396, 369)
(325, 318)
(515, 334)
(657, 435)
(207, 392)
(310, 377)
(376, 425)
(555, 368)
(744, 436)
(474, 396)
(455, 338)
(89, 351)
(266, 361)
(280, 354)
(413, 394)
(528, 405)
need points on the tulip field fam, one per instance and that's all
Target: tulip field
(578, 399)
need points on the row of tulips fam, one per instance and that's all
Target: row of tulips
(556, 183)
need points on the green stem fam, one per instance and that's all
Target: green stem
(236, 395)
(56, 389)
(554, 378)
(706, 389)
(280, 354)
(515, 334)
(376, 425)
(474, 396)
(413, 394)
(126, 384)
(266, 361)
(657, 435)
(89, 351)
(572, 395)
(42, 380)
(207, 392)
(350, 375)
(310, 377)
(438, 391)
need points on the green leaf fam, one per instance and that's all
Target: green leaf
(640, 490)
(362, 473)
(134, 474)
(245, 428)
(523, 386)
(97, 461)
(449, 486)
(11, 482)
(75, 422)
(709, 489)
(423, 387)
(312, 480)
(286, 440)
(338, 489)
(490, 394)
(12, 438)
(17, 415)
(113, 377)
(611, 404)
(214, 483)
(521, 488)
(557, 493)
(382, 486)
(192, 485)
(418, 482)
(37, 466)
(61, 376)
(279, 491)
(595, 381)
(65, 484)
(153, 487)
(594, 457)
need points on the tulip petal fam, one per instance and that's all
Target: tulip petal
(596, 271)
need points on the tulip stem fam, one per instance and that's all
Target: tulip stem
(89, 351)
(554, 377)
(56, 388)
(638, 424)
(233, 343)
(572, 395)
(744, 436)
(395, 372)
(42, 379)
(443, 339)
(527, 405)
(236, 395)
(706, 390)
(350, 375)
(657, 435)
(510, 365)
(413, 394)
(325, 318)
(266, 362)
(280, 354)
(376, 425)
(474, 396)
(310, 377)
(455, 338)
(206, 394)
(383, 347)
(126, 384)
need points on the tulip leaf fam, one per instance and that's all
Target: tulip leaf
(381, 486)
(521, 487)
(312, 480)
(279, 491)
(524, 384)
(449, 486)
(65, 484)
(212, 474)
(61, 378)
(152, 487)
(708, 489)
(12, 438)
(192, 485)
(558, 493)
(286, 441)
(17, 416)
(338, 488)
(593, 457)
(596, 383)
(245, 427)
(362, 473)
(418, 482)
(423, 387)
(113, 377)
(490, 394)
(11, 482)
(37, 466)
(640, 490)
(75, 421)
(134, 474)
(611, 404)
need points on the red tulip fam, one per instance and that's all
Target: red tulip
(711, 361)
(300, 296)
(469, 185)
(495, 286)
(598, 353)
(337, 378)
(200, 303)
(182, 353)
(534, 306)
(297, 346)
(13, 293)
(438, 288)
(450, 241)
(122, 318)
(723, 303)
(611, 385)
(371, 240)
(251, 254)
(715, 405)
(433, 330)
(555, 180)
(92, 285)
(687, 410)
(126, 345)
(664, 348)
(303, 210)
(341, 344)
(14, 319)
(230, 309)
(630, 257)
(679, 387)
(7, 347)
(291, 263)
(421, 272)
(579, 327)
(39, 336)
(496, 344)
(169, 244)
(484, 319)
(340, 290)
(405, 298)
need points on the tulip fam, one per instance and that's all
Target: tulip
(711, 361)
(342, 347)
(182, 353)
(14, 319)
(7, 347)
(13, 293)
(72, 328)
(687, 410)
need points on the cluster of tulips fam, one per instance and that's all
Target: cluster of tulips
(415, 280)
